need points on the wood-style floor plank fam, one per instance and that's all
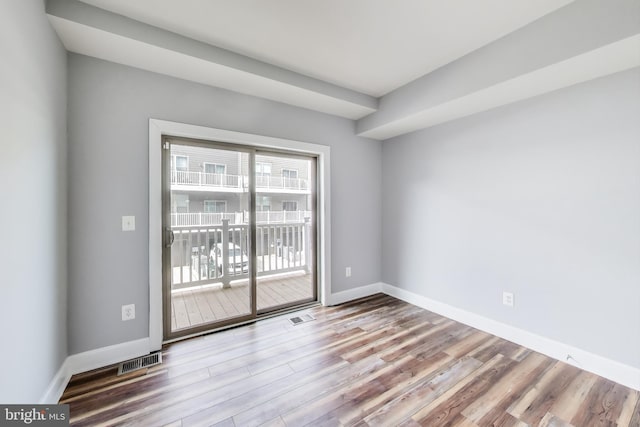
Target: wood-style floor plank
(372, 362)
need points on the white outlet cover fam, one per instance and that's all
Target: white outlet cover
(128, 312)
(128, 223)
(507, 299)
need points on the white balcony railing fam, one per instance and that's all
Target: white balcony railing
(192, 219)
(207, 179)
(239, 182)
(281, 182)
(281, 217)
(220, 254)
(204, 218)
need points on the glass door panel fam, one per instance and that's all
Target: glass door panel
(285, 237)
(207, 215)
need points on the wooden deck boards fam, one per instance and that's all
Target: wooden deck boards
(374, 362)
(195, 307)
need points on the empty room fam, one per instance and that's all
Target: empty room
(320, 213)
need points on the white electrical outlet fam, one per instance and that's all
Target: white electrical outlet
(507, 298)
(128, 312)
(128, 223)
(347, 272)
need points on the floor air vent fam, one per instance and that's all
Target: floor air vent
(139, 363)
(301, 319)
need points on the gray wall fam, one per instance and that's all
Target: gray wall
(109, 109)
(541, 198)
(33, 254)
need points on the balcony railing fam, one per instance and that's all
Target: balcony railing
(220, 254)
(281, 217)
(262, 217)
(207, 179)
(281, 182)
(239, 182)
(191, 219)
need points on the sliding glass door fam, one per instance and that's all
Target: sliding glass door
(239, 234)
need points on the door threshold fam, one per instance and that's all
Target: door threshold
(268, 315)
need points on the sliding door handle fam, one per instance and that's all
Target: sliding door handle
(170, 237)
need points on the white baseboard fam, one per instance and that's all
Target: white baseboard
(599, 365)
(615, 371)
(92, 359)
(105, 356)
(57, 385)
(355, 293)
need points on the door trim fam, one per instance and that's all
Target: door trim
(161, 128)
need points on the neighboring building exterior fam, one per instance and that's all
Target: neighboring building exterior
(208, 185)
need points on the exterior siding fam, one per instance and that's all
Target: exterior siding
(236, 163)
(199, 156)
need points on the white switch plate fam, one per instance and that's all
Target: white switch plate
(128, 312)
(128, 223)
(347, 272)
(507, 298)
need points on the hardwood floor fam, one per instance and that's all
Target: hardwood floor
(373, 362)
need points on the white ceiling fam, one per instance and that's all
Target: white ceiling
(394, 66)
(370, 46)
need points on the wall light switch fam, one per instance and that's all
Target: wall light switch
(347, 272)
(128, 223)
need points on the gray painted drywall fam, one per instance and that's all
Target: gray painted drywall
(579, 27)
(33, 253)
(109, 109)
(541, 198)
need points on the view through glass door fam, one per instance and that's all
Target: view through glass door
(284, 230)
(227, 260)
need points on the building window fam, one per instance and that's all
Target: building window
(290, 173)
(215, 206)
(180, 203)
(181, 163)
(289, 206)
(215, 168)
(263, 169)
(263, 203)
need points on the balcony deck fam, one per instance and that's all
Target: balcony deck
(196, 306)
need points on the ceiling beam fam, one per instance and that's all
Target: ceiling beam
(92, 31)
(579, 42)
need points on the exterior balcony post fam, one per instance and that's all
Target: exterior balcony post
(225, 254)
(307, 240)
